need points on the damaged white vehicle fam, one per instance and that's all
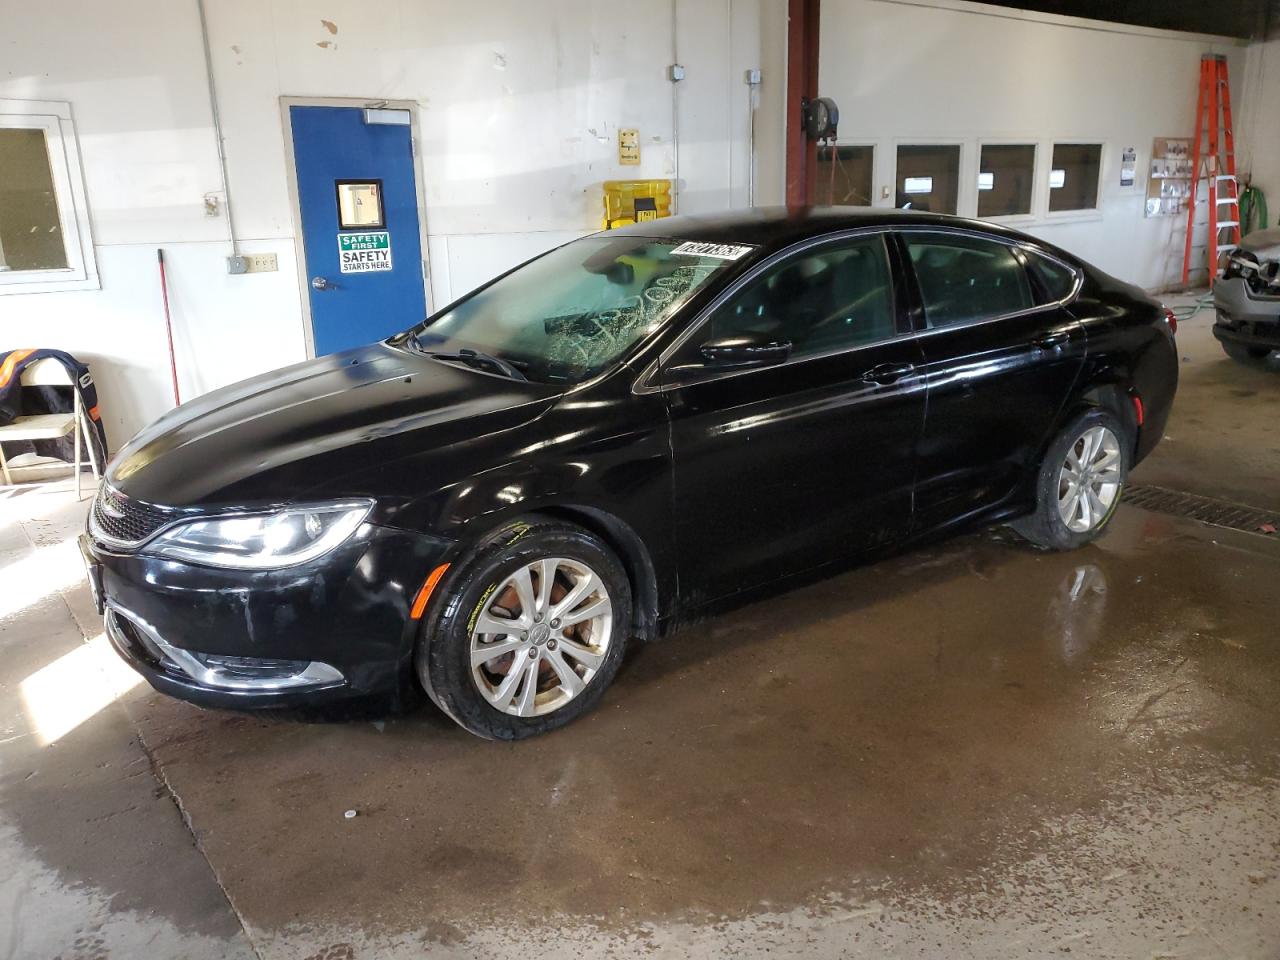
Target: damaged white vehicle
(1247, 298)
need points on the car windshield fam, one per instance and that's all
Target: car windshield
(574, 311)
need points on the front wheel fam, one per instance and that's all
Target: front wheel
(531, 632)
(1080, 482)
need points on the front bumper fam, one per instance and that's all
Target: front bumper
(1242, 317)
(1250, 337)
(336, 628)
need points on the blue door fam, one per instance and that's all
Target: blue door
(360, 231)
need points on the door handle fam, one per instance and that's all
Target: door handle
(887, 373)
(1051, 340)
(320, 283)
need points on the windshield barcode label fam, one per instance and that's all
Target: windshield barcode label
(721, 251)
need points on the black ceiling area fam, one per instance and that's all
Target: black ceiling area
(1247, 19)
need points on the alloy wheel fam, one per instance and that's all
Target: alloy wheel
(1090, 479)
(541, 636)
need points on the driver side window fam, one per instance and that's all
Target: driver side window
(832, 298)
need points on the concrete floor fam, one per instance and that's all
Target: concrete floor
(974, 749)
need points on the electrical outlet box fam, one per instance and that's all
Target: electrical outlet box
(675, 72)
(237, 265)
(262, 263)
(752, 77)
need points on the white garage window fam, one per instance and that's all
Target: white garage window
(928, 177)
(1074, 177)
(1006, 176)
(844, 175)
(44, 226)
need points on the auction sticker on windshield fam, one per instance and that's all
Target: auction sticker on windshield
(364, 252)
(721, 251)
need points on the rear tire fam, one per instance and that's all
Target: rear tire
(1080, 482)
(1244, 354)
(531, 630)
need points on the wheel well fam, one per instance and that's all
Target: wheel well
(1111, 397)
(630, 549)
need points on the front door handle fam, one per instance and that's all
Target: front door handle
(320, 283)
(1051, 340)
(887, 373)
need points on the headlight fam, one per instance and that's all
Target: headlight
(262, 541)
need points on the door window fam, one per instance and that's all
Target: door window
(829, 299)
(360, 204)
(1053, 280)
(964, 279)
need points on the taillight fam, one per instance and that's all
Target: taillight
(1171, 318)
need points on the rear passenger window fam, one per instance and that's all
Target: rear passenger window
(833, 298)
(1055, 280)
(965, 279)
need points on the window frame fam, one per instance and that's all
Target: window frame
(1039, 179)
(81, 272)
(1083, 213)
(1016, 245)
(649, 380)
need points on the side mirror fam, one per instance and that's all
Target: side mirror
(744, 351)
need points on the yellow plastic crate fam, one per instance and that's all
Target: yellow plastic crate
(635, 201)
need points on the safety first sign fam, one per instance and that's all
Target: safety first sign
(364, 252)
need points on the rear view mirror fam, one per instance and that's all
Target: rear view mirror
(744, 351)
(621, 274)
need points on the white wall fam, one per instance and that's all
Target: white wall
(518, 108)
(922, 70)
(141, 113)
(1259, 122)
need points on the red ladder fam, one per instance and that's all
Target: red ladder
(1213, 167)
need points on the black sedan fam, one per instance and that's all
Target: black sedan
(612, 438)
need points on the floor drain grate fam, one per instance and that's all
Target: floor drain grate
(1220, 513)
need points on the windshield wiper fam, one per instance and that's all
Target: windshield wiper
(474, 358)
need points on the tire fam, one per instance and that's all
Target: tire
(1056, 497)
(1244, 354)
(485, 589)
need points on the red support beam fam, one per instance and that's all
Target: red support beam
(802, 84)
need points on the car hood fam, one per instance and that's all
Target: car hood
(274, 437)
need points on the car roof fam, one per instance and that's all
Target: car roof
(776, 227)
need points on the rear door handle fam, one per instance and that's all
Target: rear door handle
(887, 373)
(1051, 340)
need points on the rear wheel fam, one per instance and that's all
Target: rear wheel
(1244, 354)
(531, 632)
(1080, 482)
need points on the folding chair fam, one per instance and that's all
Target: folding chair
(50, 426)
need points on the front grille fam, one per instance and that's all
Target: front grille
(126, 520)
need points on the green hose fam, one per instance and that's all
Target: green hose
(1185, 313)
(1253, 205)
